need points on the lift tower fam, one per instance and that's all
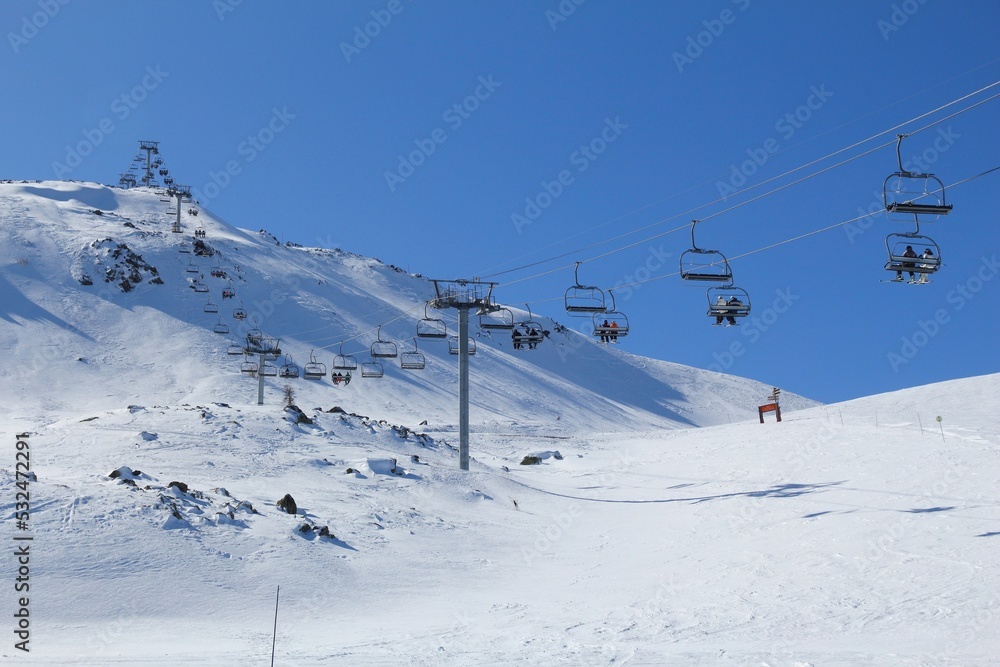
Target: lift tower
(463, 295)
(182, 193)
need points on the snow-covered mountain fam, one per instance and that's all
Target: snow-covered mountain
(156, 337)
(859, 533)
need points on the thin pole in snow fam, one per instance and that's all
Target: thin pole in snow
(942, 427)
(274, 637)
(920, 424)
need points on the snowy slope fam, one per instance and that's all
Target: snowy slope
(157, 337)
(853, 534)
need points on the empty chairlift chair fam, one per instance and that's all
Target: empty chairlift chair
(383, 349)
(248, 367)
(221, 327)
(701, 265)
(412, 360)
(583, 300)
(453, 345)
(269, 370)
(344, 362)
(496, 319)
(431, 327)
(372, 369)
(210, 307)
(907, 193)
(314, 370)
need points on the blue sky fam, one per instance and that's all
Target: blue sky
(461, 139)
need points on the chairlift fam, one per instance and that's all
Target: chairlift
(192, 268)
(344, 362)
(496, 319)
(372, 369)
(248, 367)
(431, 327)
(221, 327)
(269, 370)
(927, 259)
(239, 314)
(412, 360)
(258, 343)
(728, 301)
(385, 349)
(453, 345)
(228, 293)
(314, 370)
(289, 369)
(199, 287)
(235, 349)
(184, 248)
(911, 193)
(210, 307)
(581, 300)
(699, 264)
(531, 335)
(610, 324)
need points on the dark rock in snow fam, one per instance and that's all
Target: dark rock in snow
(287, 503)
(530, 461)
(181, 486)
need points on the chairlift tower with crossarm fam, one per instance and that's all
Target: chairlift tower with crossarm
(182, 193)
(463, 296)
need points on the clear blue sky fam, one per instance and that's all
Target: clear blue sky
(312, 117)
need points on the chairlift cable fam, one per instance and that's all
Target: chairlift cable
(757, 185)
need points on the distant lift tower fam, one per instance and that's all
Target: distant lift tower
(150, 147)
(182, 193)
(463, 295)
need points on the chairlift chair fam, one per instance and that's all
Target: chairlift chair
(248, 367)
(431, 327)
(702, 265)
(372, 369)
(610, 324)
(235, 349)
(911, 193)
(453, 345)
(210, 307)
(526, 337)
(314, 370)
(199, 287)
(739, 308)
(344, 362)
(184, 248)
(896, 245)
(582, 300)
(239, 314)
(192, 268)
(384, 349)
(289, 369)
(499, 319)
(221, 327)
(412, 360)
